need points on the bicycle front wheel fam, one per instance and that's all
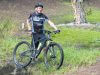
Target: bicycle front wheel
(54, 56)
(22, 54)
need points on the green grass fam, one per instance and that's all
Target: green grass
(81, 57)
(94, 17)
(77, 36)
(7, 42)
(7, 27)
(7, 47)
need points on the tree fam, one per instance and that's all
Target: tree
(79, 13)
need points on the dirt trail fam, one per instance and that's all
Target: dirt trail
(94, 69)
(90, 70)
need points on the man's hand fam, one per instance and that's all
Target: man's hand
(28, 25)
(23, 26)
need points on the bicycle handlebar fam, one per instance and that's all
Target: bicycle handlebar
(47, 31)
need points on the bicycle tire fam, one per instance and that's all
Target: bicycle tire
(22, 55)
(47, 55)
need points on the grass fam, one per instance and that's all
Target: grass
(7, 42)
(80, 57)
(77, 36)
(95, 16)
(7, 27)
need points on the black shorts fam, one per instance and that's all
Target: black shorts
(39, 37)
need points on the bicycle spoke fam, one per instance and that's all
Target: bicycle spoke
(22, 54)
(54, 56)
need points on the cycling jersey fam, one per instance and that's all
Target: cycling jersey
(38, 21)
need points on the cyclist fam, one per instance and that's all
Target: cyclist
(38, 19)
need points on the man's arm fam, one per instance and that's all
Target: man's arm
(28, 25)
(52, 24)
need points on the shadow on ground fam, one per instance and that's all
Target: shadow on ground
(10, 69)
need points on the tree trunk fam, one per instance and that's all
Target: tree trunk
(79, 14)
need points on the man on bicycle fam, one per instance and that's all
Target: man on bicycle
(38, 19)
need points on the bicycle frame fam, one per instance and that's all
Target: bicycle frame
(43, 44)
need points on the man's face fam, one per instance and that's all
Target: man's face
(39, 9)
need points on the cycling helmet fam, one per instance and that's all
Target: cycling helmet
(39, 5)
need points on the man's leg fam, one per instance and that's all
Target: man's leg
(36, 45)
(35, 40)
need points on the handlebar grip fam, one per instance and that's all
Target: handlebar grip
(57, 31)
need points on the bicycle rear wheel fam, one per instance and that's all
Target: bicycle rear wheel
(22, 54)
(54, 56)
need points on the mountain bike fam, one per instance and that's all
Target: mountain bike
(24, 52)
